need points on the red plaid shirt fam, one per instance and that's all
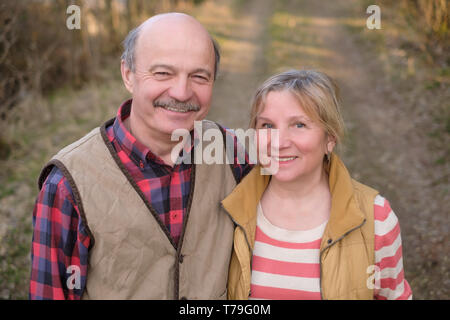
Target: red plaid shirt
(60, 239)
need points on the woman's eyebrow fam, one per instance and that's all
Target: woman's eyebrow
(293, 118)
(303, 118)
(262, 118)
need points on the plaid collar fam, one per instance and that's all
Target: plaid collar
(135, 150)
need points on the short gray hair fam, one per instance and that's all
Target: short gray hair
(129, 45)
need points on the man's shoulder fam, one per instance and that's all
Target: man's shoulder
(54, 178)
(56, 183)
(88, 138)
(78, 151)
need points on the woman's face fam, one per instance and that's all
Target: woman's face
(302, 142)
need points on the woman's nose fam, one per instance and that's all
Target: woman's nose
(280, 139)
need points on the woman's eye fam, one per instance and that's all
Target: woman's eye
(267, 126)
(299, 125)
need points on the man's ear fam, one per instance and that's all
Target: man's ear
(127, 76)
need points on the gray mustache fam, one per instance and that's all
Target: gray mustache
(184, 106)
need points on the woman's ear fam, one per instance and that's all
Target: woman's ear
(331, 143)
(127, 75)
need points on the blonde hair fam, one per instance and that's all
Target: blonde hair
(316, 92)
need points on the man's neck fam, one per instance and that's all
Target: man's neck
(160, 145)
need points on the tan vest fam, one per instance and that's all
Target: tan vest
(347, 247)
(133, 255)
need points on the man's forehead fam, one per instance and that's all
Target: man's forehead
(170, 38)
(168, 24)
(170, 17)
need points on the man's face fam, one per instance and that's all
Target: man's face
(173, 79)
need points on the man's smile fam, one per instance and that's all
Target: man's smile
(176, 106)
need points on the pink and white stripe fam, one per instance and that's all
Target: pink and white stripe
(388, 254)
(286, 265)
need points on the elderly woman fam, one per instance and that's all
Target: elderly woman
(308, 230)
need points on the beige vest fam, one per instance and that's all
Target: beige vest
(133, 255)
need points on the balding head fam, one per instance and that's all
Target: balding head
(169, 67)
(166, 26)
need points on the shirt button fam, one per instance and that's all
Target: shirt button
(180, 259)
(141, 164)
(330, 241)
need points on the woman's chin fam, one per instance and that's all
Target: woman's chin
(280, 173)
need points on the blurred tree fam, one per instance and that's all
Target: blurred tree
(38, 53)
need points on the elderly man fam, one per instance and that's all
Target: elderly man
(116, 217)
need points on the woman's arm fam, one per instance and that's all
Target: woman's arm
(392, 284)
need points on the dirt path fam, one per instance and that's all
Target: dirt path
(387, 145)
(241, 28)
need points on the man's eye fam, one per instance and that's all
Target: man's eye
(267, 126)
(161, 74)
(201, 78)
(299, 125)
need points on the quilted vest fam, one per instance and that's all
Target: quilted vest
(133, 256)
(347, 246)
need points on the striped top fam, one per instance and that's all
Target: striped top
(285, 263)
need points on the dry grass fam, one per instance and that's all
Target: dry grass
(36, 129)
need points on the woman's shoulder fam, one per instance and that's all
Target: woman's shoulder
(363, 188)
(372, 197)
(385, 218)
(382, 208)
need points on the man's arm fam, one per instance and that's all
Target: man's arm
(60, 243)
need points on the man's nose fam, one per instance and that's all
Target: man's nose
(181, 89)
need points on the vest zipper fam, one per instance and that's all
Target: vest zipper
(327, 247)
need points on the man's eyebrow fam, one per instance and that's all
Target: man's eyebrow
(167, 66)
(161, 65)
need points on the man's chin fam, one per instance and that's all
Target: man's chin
(171, 126)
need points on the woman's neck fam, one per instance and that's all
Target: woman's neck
(298, 205)
(301, 188)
